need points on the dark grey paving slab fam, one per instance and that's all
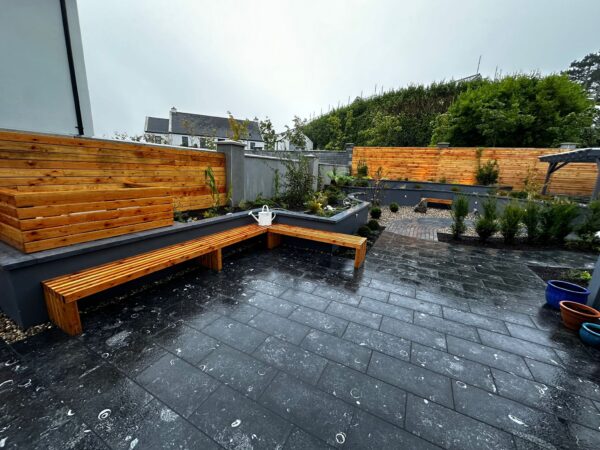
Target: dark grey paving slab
(369, 432)
(186, 342)
(560, 378)
(446, 326)
(499, 313)
(279, 327)
(414, 333)
(337, 295)
(131, 352)
(376, 340)
(584, 437)
(203, 319)
(386, 309)
(291, 359)
(415, 304)
(337, 349)
(177, 383)
(266, 287)
(528, 423)
(452, 430)
(375, 294)
(305, 299)
(443, 300)
(79, 437)
(365, 392)
(519, 346)
(352, 314)
(319, 320)
(236, 422)
(300, 440)
(318, 413)
(475, 320)
(452, 366)
(235, 334)
(393, 288)
(489, 356)
(557, 339)
(411, 378)
(547, 398)
(270, 303)
(238, 370)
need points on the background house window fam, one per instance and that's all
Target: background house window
(184, 141)
(252, 145)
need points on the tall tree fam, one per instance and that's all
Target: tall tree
(238, 128)
(268, 133)
(295, 135)
(586, 72)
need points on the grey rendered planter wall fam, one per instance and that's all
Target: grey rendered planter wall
(21, 295)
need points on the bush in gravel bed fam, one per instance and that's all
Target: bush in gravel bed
(373, 225)
(394, 207)
(487, 224)
(364, 231)
(376, 212)
(510, 221)
(460, 210)
(556, 219)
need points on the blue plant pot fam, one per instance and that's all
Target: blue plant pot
(561, 290)
(590, 334)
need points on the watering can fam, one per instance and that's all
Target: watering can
(265, 216)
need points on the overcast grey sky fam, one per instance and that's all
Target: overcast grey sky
(279, 58)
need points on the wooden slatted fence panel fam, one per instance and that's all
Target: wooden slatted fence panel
(458, 165)
(48, 163)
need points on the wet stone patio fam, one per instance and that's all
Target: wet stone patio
(429, 345)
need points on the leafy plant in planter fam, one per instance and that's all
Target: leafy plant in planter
(376, 212)
(487, 173)
(362, 170)
(487, 223)
(298, 182)
(460, 210)
(510, 221)
(394, 207)
(531, 220)
(455, 189)
(209, 179)
(316, 204)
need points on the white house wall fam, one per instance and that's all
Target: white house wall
(35, 83)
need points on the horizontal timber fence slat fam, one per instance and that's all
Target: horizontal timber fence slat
(32, 162)
(459, 165)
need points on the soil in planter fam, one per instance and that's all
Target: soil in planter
(575, 276)
(519, 244)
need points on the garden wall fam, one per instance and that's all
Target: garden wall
(458, 165)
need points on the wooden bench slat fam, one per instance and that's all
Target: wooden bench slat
(327, 237)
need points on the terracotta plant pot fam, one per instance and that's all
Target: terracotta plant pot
(574, 314)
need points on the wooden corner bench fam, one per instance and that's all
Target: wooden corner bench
(63, 292)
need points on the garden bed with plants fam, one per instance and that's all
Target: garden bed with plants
(530, 225)
(581, 277)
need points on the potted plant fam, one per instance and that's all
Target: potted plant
(557, 290)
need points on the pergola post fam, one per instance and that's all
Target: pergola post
(551, 167)
(597, 186)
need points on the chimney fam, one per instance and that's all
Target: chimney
(443, 144)
(172, 111)
(568, 145)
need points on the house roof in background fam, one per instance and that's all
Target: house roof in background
(156, 125)
(198, 125)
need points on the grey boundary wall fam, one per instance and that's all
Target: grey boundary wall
(21, 295)
(342, 157)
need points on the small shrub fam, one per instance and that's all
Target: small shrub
(591, 222)
(394, 207)
(442, 180)
(556, 220)
(362, 170)
(487, 223)
(364, 231)
(460, 209)
(455, 189)
(298, 181)
(501, 193)
(531, 220)
(417, 186)
(517, 194)
(373, 225)
(316, 204)
(488, 173)
(510, 220)
(376, 212)
(361, 182)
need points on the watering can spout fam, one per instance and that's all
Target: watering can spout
(265, 216)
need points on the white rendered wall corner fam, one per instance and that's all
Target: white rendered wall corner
(37, 81)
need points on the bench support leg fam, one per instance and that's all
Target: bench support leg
(64, 315)
(360, 255)
(273, 240)
(213, 260)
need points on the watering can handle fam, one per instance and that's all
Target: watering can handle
(265, 208)
(273, 216)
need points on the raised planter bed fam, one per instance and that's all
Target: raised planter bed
(21, 274)
(32, 220)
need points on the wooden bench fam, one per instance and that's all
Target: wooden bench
(439, 201)
(63, 292)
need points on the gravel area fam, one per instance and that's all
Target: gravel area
(10, 331)
(407, 212)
